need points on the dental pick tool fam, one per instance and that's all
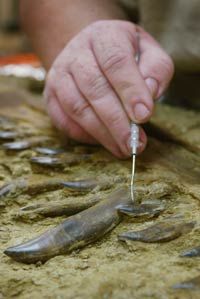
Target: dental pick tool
(134, 142)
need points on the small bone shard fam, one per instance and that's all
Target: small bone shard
(8, 135)
(47, 161)
(17, 145)
(192, 284)
(144, 210)
(12, 187)
(193, 252)
(48, 151)
(6, 189)
(75, 232)
(61, 162)
(82, 185)
(26, 143)
(161, 232)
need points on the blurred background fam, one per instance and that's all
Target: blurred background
(11, 39)
(8, 14)
(23, 69)
(19, 67)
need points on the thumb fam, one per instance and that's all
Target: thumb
(155, 64)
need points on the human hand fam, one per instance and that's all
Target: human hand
(95, 86)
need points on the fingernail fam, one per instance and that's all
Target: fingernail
(153, 86)
(141, 112)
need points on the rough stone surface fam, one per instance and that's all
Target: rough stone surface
(168, 170)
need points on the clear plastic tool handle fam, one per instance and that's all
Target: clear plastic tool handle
(134, 142)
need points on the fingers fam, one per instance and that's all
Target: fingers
(155, 65)
(116, 57)
(65, 124)
(74, 104)
(102, 98)
(98, 90)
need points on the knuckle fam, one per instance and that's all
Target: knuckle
(114, 60)
(115, 120)
(94, 82)
(78, 109)
(97, 86)
(125, 85)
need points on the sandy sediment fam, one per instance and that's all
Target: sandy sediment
(168, 170)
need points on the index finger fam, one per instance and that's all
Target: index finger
(115, 55)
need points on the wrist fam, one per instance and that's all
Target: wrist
(51, 26)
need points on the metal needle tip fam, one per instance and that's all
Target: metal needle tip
(132, 177)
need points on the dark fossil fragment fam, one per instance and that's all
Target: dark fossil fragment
(75, 232)
(29, 186)
(56, 208)
(36, 185)
(161, 232)
(192, 284)
(193, 252)
(146, 210)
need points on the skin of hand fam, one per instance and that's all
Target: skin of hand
(95, 87)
